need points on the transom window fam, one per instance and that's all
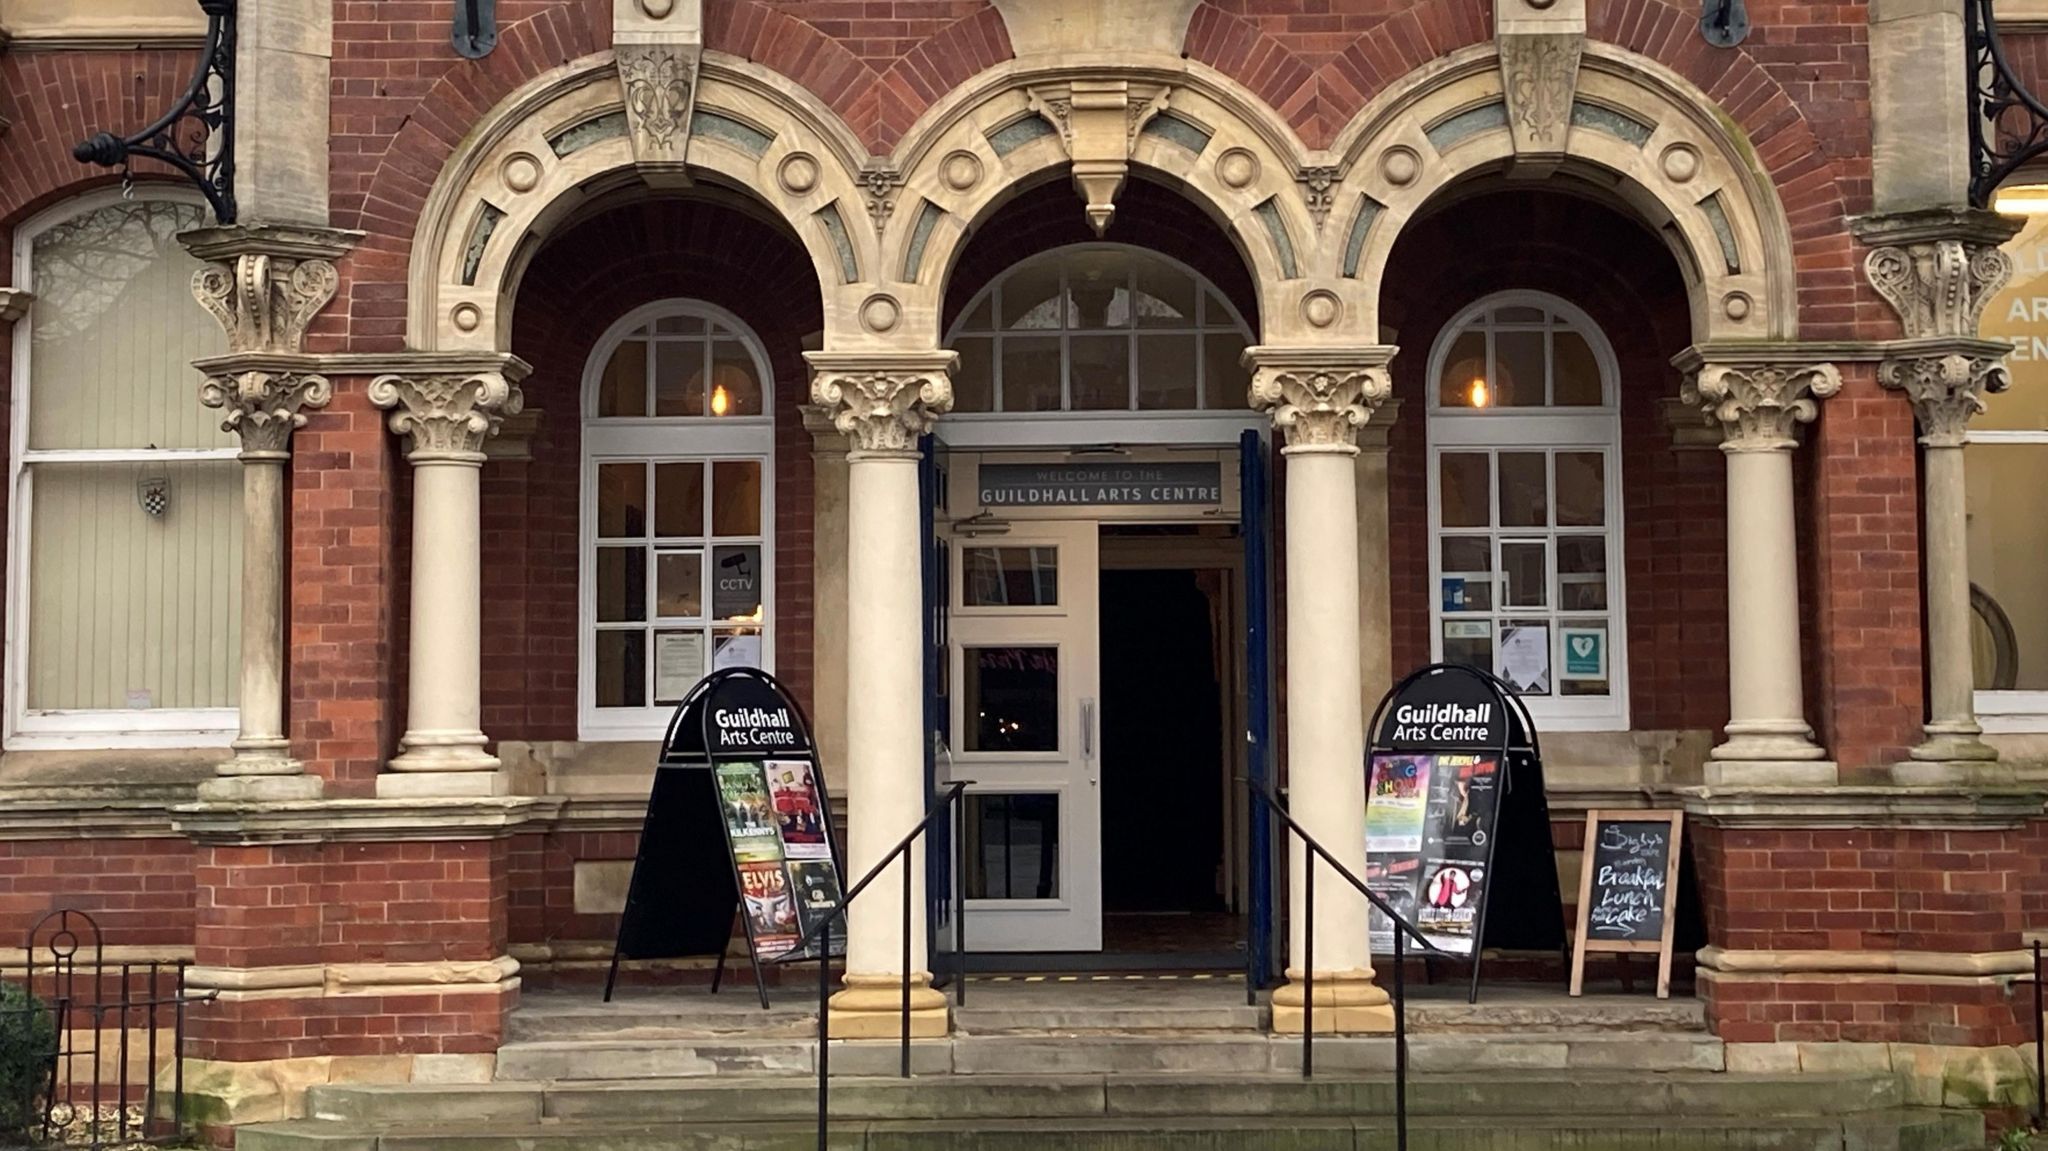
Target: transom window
(1099, 328)
(678, 562)
(1525, 512)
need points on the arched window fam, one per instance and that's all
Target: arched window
(124, 576)
(1099, 328)
(678, 538)
(1524, 506)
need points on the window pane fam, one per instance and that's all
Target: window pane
(623, 390)
(735, 386)
(1032, 299)
(736, 583)
(1031, 374)
(1575, 375)
(735, 649)
(1581, 489)
(622, 668)
(1524, 576)
(1518, 369)
(977, 318)
(115, 330)
(679, 585)
(1100, 369)
(1166, 372)
(1469, 641)
(1518, 314)
(1166, 295)
(2019, 314)
(1523, 494)
(679, 499)
(621, 584)
(621, 501)
(1463, 483)
(1013, 846)
(1467, 563)
(1525, 656)
(1584, 667)
(974, 382)
(678, 664)
(1012, 697)
(1582, 573)
(1099, 283)
(1009, 577)
(679, 378)
(1464, 384)
(1226, 384)
(2008, 537)
(129, 609)
(736, 497)
(680, 325)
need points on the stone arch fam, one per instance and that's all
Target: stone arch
(1637, 130)
(562, 138)
(1186, 125)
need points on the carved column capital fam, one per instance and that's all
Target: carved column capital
(1758, 405)
(264, 284)
(447, 416)
(1937, 268)
(883, 402)
(1947, 384)
(1320, 397)
(264, 408)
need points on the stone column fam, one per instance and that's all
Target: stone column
(1319, 399)
(446, 412)
(1375, 584)
(1937, 268)
(264, 285)
(1758, 405)
(828, 589)
(882, 403)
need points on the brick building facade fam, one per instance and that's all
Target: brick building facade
(484, 497)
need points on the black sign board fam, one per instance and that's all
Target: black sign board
(738, 822)
(1083, 483)
(1457, 827)
(1628, 888)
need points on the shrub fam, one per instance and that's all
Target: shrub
(28, 1044)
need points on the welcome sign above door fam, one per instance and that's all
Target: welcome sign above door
(1178, 483)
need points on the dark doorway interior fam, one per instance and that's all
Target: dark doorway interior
(1162, 804)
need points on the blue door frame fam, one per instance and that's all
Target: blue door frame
(1255, 500)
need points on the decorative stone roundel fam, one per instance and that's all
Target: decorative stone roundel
(1237, 167)
(798, 173)
(1681, 163)
(1736, 305)
(466, 317)
(520, 172)
(879, 314)
(1320, 308)
(961, 171)
(658, 9)
(1400, 165)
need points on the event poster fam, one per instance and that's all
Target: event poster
(749, 821)
(775, 818)
(799, 813)
(1436, 876)
(770, 909)
(817, 894)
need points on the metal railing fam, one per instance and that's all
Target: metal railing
(111, 1029)
(822, 928)
(2040, 1046)
(1275, 809)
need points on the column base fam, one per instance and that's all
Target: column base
(450, 751)
(1771, 773)
(259, 756)
(1347, 1003)
(1769, 741)
(1956, 773)
(268, 788)
(1953, 743)
(871, 1007)
(443, 784)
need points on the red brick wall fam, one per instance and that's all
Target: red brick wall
(543, 879)
(1673, 502)
(139, 891)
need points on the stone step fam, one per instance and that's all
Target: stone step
(1892, 1130)
(1205, 1052)
(1167, 1096)
(1083, 1020)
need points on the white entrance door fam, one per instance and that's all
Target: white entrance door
(1024, 691)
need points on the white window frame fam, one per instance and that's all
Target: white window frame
(1132, 426)
(59, 729)
(663, 439)
(1547, 429)
(2010, 712)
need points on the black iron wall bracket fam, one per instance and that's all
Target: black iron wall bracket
(197, 136)
(2008, 124)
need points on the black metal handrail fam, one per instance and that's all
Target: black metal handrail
(2040, 1046)
(1402, 929)
(822, 928)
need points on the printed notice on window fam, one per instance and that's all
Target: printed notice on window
(678, 664)
(1525, 658)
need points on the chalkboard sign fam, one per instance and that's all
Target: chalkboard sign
(1628, 888)
(737, 822)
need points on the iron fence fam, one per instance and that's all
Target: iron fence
(91, 1051)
